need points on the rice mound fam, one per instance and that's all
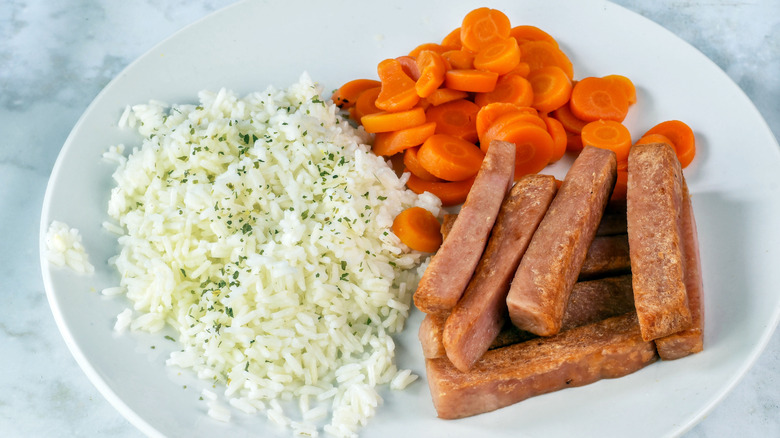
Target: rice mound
(259, 229)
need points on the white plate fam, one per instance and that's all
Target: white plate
(734, 180)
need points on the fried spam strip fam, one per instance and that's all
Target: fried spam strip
(691, 340)
(654, 199)
(479, 315)
(607, 349)
(450, 269)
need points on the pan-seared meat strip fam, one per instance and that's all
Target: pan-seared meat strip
(479, 315)
(654, 200)
(690, 340)
(607, 256)
(550, 267)
(451, 268)
(606, 349)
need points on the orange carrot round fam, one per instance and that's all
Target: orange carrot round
(444, 95)
(558, 134)
(459, 59)
(627, 84)
(595, 98)
(365, 103)
(418, 229)
(569, 121)
(398, 92)
(450, 158)
(346, 96)
(391, 143)
(386, 121)
(438, 48)
(526, 33)
(510, 88)
(682, 139)
(491, 112)
(457, 118)
(655, 138)
(413, 165)
(432, 68)
(573, 143)
(538, 54)
(450, 193)
(500, 57)
(608, 134)
(551, 88)
(478, 81)
(534, 145)
(621, 185)
(483, 26)
(452, 39)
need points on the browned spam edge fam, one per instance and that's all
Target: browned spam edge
(606, 349)
(607, 256)
(451, 268)
(479, 315)
(430, 332)
(536, 301)
(691, 340)
(654, 205)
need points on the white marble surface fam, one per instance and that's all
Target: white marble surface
(56, 56)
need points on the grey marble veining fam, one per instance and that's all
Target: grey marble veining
(55, 57)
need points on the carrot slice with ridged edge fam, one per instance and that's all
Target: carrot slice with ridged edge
(418, 229)
(483, 26)
(398, 92)
(681, 135)
(608, 134)
(457, 118)
(450, 158)
(595, 98)
(391, 143)
(511, 88)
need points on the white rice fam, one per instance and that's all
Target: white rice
(259, 229)
(64, 248)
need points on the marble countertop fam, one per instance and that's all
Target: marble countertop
(56, 56)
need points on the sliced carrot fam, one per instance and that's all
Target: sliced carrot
(450, 158)
(346, 96)
(432, 68)
(409, 65)
(608, 134)
(459, 59)
(472, 80)
(573, 143)
(540, 54)
(391, 143)
(627, 84)
(507, 119)
(522, 69)
(438, 48)
(558, 134)
(655, 138)
(386, 121)
(500, 57)
(510, 88)
(418, 229)
(413, 165)
(595, 98)
(682, 139)
(450, 193)
(444, 95)
(452, 39)
(365, 103)
(551, 88)
(621, 185)
(457, 118)
(398, 93)
(483, 26)
(526, 33)
(491, 112)
(569, 121)
(534, 145)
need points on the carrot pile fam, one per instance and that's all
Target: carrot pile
(442, 103)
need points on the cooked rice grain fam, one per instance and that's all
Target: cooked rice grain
(259, 229)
